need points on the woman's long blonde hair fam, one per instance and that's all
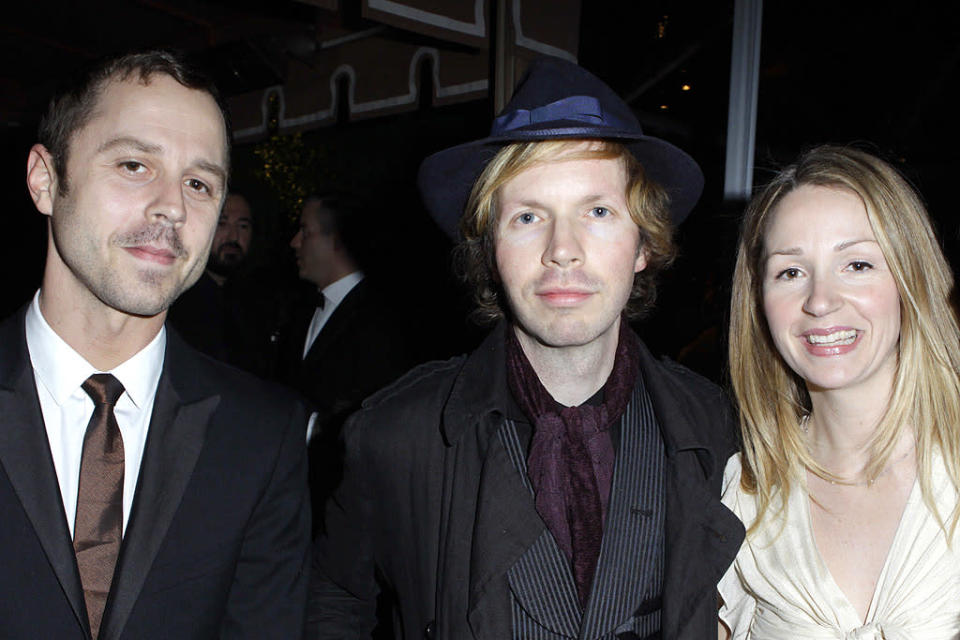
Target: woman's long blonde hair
(773, 400)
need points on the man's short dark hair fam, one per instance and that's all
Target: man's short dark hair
(71, 108)
(347, 215)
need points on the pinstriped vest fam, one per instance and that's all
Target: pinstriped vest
(624, 602)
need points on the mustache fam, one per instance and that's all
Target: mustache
(157, 235)
(567, 280)
(230, 245)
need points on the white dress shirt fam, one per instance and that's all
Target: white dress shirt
(59, 372)
(333, 295)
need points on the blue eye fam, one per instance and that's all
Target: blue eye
(526, 218)
(600, 212)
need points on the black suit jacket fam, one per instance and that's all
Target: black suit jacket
(232, 323)
(359, 350)
(217, 539)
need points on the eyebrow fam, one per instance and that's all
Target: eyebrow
(127, 141)
(215, 169)
(536, 204)
(147, 147)
(792, 251)
(591, 199)
(533, 204)
(796, 251)
(850, 243)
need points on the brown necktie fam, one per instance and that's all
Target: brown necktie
(99, 524)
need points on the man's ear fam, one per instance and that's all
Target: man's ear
(41, 178)
(641, 262)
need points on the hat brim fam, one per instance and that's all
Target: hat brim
(447, 177)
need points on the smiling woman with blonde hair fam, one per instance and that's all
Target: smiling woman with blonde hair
(844, 353)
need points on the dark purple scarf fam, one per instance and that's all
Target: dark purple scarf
(571, 457)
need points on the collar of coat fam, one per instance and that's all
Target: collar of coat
(480, 391)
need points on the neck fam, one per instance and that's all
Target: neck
(104, 336)
(572, 374)
(336, 274)
(842, 426)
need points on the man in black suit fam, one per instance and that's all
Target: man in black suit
(560, 481)
(347, 345)
(147, 491)
(230, 313)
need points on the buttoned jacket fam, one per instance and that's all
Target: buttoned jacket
(217, 541)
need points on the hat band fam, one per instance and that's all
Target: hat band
(584, 109)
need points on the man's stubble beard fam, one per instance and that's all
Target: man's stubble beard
(140, 291)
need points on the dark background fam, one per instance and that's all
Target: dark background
(877, 74)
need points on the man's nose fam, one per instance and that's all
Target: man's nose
(564, 248)
(168, 205)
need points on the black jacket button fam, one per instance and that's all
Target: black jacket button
(430, 630)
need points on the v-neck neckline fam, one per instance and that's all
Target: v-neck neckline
(825, 574)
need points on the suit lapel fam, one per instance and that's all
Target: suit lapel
(177, 431)
(341, 318)
(542, 582)
(541, 579)
(634, 523)
(25, 457)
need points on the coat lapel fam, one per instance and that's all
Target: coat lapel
(506, 526)
(177, 431)
(703, 539)
(25, 457)
(487, 510)
(702, 535)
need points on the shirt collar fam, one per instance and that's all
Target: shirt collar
(62, 370)
(337, 291)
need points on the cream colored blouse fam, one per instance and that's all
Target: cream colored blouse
(779, 587)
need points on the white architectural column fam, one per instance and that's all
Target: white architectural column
(742, 113)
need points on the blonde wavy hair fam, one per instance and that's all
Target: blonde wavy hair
(773, 400)
(475, 258)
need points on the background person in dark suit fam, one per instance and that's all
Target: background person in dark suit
(232, 239)
(230, 313)
(347, 344)
(558, 482)
(147, 491)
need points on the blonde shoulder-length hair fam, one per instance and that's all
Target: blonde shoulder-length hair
(773, 400)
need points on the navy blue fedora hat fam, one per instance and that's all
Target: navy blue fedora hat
(556, 100)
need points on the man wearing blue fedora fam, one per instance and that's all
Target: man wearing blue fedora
(558, 482)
